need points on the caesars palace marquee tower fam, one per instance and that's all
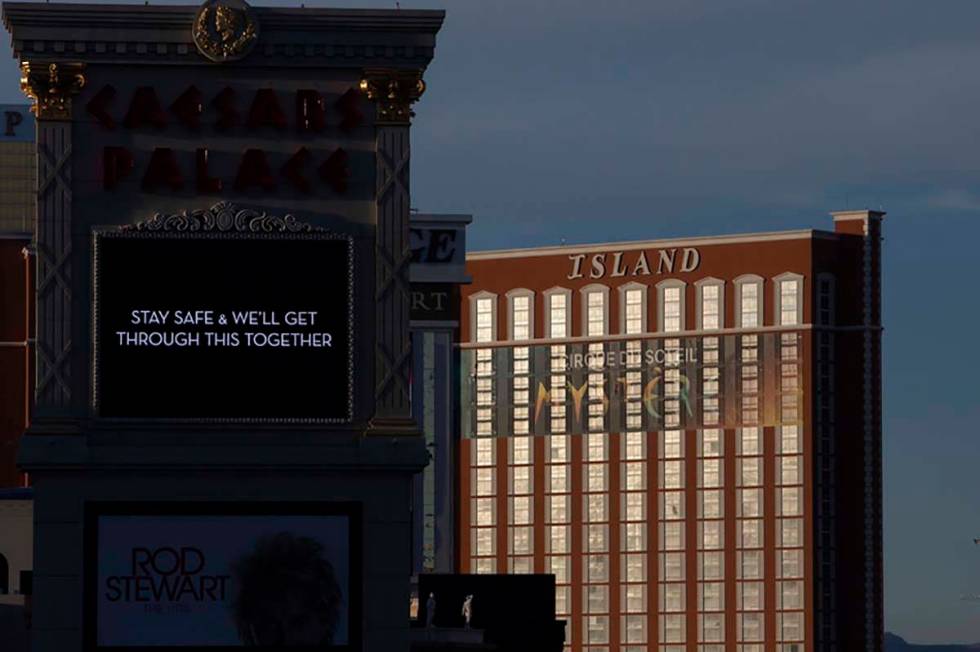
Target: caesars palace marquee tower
(222, 355)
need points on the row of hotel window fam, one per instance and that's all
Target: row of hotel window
(670, 531)
(710, 296)
(668, 497)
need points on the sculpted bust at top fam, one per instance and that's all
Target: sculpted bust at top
(225, 30)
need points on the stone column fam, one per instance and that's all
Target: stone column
(393, 92)
(52, 86)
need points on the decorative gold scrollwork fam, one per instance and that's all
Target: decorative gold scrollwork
(52, 87)
(394, 91)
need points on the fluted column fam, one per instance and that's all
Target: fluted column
(52, 86)
(393, 92)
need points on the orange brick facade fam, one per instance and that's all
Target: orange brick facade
(661, 547)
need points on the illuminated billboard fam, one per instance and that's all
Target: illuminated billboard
(249, 327)
(220, 575)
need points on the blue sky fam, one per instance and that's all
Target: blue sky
(584, 121)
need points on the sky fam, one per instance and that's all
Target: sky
(581, 121)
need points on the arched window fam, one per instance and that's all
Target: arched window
(788, 299)
(748, 301)
(558, 311)
(595, 310)
(710, 311)
(670, 313)
(483, 317)
(633, 308)
(520, 314)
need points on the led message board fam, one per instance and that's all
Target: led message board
(249, 327)
(222, 575)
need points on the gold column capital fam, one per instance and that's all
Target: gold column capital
(394, 91)
(52, 87)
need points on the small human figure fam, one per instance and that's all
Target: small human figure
(468, 610)
(430, 610)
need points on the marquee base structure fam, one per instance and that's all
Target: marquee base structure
(223, 345)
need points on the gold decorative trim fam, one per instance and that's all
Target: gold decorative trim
(393, 91)
(225, 30)
(51, 87)
(223, 217)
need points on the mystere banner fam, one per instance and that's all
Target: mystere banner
(226, 327)
(222, 575)
(650, 384)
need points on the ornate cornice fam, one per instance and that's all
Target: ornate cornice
(393, 91)
(154, 33)
(223, 217)
(52, 86)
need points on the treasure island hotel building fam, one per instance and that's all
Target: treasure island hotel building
(686, 433)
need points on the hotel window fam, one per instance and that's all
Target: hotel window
(750, 626)
(749, 378)
(557, 302)
(790, 533)
(710, 504)
(748, 441)
(633, 628)
(711, 627)
(788, 501)
(675, 385)
(673, 628)
(710, 376)
(672, 540)
(711, 537)
(791, 508)
(790, 595)
(788, 297)
(557, 321)
(595, 514)
(520, 503)
(558, 511)
(483, 452)
(633, 308)
(671, 306)
(790, 394)
(595, 298)
(749, 596)
(748, 301)
(483, 315)
(521, 309)
(483, 505)
(749, 504)
(749, 535)
(711, 304)
(710, 443)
